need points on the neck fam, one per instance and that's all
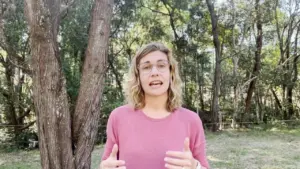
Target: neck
(156, 103)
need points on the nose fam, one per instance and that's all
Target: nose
(154, 71)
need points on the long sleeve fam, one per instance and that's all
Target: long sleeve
(199, 143)
(112, 137)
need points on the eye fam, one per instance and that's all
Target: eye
(161, 65)
(146, 67)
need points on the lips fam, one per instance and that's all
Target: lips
(155, 83)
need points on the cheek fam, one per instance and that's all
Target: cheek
(167, 77)
(143, 81)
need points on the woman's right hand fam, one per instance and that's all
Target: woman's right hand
(112, 162)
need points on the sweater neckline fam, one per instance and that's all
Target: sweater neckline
(143, 114)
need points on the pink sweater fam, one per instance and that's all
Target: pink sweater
(143, 141)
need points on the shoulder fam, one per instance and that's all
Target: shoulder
(189, 115)
(121, 111)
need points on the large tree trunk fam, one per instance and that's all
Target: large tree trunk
(66, 143)
(216, 84)
(49, 88)
(87, 112)
(256, 67)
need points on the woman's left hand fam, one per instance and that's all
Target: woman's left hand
(181, 159)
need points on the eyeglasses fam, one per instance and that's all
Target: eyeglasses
(162, 66)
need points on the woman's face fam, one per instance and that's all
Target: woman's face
(154, 73)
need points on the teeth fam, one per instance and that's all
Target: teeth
(156, 83)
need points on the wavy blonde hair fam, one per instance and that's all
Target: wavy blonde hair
(133, 90)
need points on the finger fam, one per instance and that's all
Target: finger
(114, 163)
(177, 154)
(114, 151)
(178, 162)
(170, 166)
(187, 144)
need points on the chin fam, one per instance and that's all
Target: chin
(157, 93)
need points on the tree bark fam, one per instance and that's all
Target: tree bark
(277, 101)
(49, 88)
(256, 67)
(87, 112)
(216, 84)
(65, 142)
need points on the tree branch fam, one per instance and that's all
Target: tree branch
(117, 28)
(171, 19)
(276, 98)
(24, 69)
(153, 10)
(25, 114)
(2, 59)
(249, 81)
(28, 125)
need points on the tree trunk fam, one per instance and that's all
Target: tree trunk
(235, 61)
(257, 106)
(294, 76)
(87, 112)
(49, 92)
(216, 84)
(112, 62)
(200, 82)
(256, 67)
(14, 110)
(65, 142)
(288, 79)
(13, 65)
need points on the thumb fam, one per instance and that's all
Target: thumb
(114, 151)
(187, 144)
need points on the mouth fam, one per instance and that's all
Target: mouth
(155, 83)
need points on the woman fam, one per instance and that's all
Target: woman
(153, 131)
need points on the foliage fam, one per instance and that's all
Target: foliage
(185, 27)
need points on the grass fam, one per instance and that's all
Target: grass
(276, 148)
(254, 149)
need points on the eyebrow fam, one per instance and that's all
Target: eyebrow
(156, 61)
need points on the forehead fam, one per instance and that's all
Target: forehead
(153, 57)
